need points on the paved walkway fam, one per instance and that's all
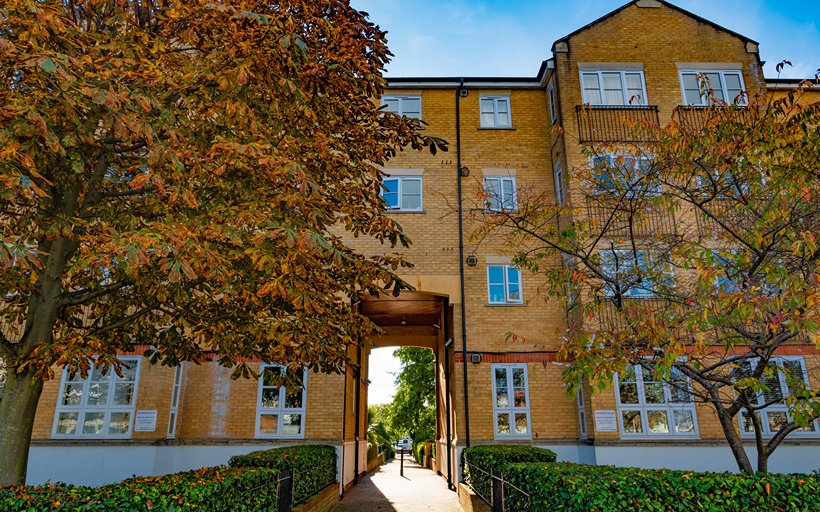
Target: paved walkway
(384, 490)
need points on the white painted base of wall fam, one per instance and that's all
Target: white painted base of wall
(99, 465)
(786, 459)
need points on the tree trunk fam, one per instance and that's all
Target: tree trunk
(762, 461)
(727, 423)
(17, 409)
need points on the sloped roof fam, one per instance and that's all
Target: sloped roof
(665, 4)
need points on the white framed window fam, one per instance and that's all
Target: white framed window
(629, 269)
(559, 183)
(501, 194)
(613, 87)
(648, 407)
(624, 173)
(773, 417)
(278, 413)
(582, 412)
(409, 106)
(727, 86)
(403, 193)
(99, 406)
(172, 418)
(551, 98)
(511, 401)
(495, 112)
(504, 284)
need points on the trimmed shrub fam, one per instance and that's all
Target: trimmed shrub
(583, 488)
(372, 451)
(389, 452)
(418, 451)
(313, 466)
(216, 489)
(500, 457)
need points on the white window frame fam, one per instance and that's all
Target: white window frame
(582, 412)
(645, 408)
(280, 411)
(173, 417)
(496, 99)
(401, 99)
(108, 409)
(630, 161)
(511, 409)
(705, 101)
(496, 203)
(506, 284)
(779, 408)
(551, 99)
(642, 101)
(400, 180)
(558, 175)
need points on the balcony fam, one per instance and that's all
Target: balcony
(693, 118)
(629, 217)
(611, 319)
(605, 123)
(725, 212)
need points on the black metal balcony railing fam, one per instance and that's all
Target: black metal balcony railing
(626, 218)
(610, 318)
(604, 123)
(694, 118)
(723, 212)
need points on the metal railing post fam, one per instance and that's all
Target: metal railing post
(285, 490)
(497, 494)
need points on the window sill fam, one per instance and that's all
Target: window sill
(658, 437)
(496, 128)
(406, 211)
(505, 304)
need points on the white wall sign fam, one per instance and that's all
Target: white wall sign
(145, 421)
(606, 421)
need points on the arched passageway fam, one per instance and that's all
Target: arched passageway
(415, 319)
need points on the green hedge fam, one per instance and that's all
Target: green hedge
(500, 457)
(582, 488)
(216, 489)
(313, 466)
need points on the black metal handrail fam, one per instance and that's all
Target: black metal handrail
(621, 123)
(495, 490)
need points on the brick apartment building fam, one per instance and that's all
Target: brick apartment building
(156, 419)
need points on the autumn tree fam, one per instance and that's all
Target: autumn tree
(689, 269)
(177, 174)
(413, 409)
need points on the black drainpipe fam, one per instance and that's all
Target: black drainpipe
(461, 262)
(344, 435)
(447, 345)
(358, 412)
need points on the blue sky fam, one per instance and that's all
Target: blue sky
(511, 38)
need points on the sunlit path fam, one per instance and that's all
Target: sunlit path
(385, 490)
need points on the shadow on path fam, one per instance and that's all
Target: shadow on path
(385, 490)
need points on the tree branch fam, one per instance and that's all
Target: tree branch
(81, 297)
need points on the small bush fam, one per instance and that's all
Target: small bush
(498, 456)
(418, 451)
(217, 489)
(313, 466)
(372, 451)
(583, 488)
